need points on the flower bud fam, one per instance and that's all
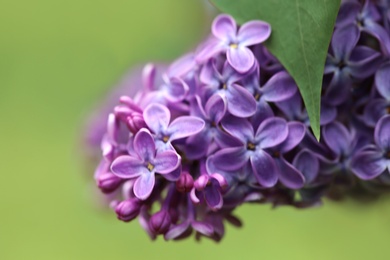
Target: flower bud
(159, 223)
(185, 182)
(108, 182)
(129, 209)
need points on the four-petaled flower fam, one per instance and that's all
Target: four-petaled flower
(143, 163)
(157, 118)
(371, 161)
(235, 43)
(270, 133)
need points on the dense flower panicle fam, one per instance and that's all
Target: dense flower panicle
(226, 125)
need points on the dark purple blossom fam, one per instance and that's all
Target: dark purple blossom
(366, 19)
(347, 63)
(286, 172)
(270, 133)
(378, 107)
(372, 161)
(240, 102)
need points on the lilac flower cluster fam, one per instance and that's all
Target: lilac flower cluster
(226, 125)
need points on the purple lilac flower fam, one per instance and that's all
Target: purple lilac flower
(378, 107)
(235, 43)
(270, 133)
(366, 19)
(158, 117)
(182, 146)
(212, 114)
(374, 160)
(279, 87)
(239, 100)
(144, 163)
(286, 172)
(348, 62)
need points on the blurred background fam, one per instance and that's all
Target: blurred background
(57, 59)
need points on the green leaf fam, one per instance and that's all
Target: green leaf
(301, 33)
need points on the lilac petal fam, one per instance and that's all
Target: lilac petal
(224, 28)
(185, 126)
(307, 164)
(215, 108)
(279, 88)
(289, 176)
(253, 32)
(230, 75)
(263, 111)
(240, 58)
(328, 113)
(195, 148)
(177, 231)
(209, 74)
(196, 107)
(194, 196)
(337, 137)
(364, 62)
(201, 183)
(148, 76)
(291, 107)
(382, 80)
(344, 40)
(239, 128)
(224, 140)
(102, 168)
(221, 181)
(380, 33)
(339, 88)
(174, 175)
(272, 132)
(143, 186)
(144, 145)
(165, 162)
(264, 168)
(228, 159)
(374, 110)
(176, 90)
(112, 129)
(203, 228)
(157, 117)
(296, 132)
(348, 13)
(128, 167)
(213, 198)
(240, 101)
(368, 165)
(382, 133)
(182, 66)
(209, 50)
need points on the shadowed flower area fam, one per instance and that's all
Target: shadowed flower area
(225, 125)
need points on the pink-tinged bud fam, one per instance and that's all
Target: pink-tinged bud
(185, 182)
(135, 122)
(122, 111)
(128, 101)
(108, 182)
(160, 222)
(129, 209)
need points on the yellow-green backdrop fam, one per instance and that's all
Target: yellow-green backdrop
(57, 58)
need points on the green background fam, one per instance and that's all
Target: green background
(57, 58)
